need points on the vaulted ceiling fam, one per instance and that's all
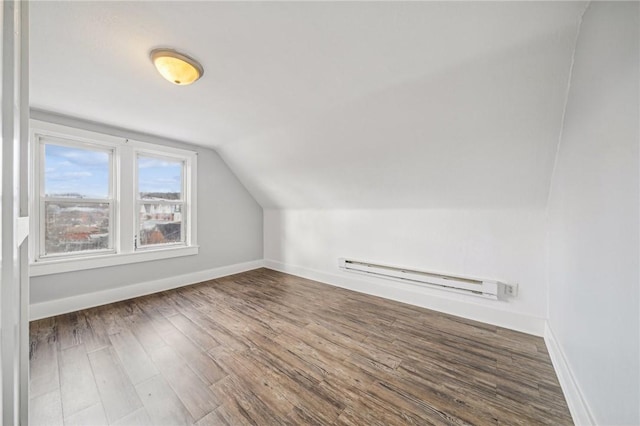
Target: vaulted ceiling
(330, 105)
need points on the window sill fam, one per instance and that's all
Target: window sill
(57, 266)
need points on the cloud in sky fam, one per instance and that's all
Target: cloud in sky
(55, 175)
(159, 175)
(77, 171)
(80, 157)
(151, 162)
(70, 170)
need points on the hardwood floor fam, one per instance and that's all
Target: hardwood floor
(268, 348)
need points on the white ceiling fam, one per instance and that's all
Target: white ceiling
(330, 105)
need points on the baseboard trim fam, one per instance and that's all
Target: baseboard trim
(90, 300)
(418, 297)
(580, 411)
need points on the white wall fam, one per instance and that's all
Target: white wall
(593, 217)
(507, 245)
(229, 229)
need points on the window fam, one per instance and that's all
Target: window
(98, 200)
(160, 201)
(77, 204)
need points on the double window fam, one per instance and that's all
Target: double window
(99, 200)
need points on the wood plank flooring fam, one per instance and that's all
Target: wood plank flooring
(268, 348)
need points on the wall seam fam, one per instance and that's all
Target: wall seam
(566, 102)
(557, 154)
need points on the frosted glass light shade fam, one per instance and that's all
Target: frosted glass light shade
(176, 67)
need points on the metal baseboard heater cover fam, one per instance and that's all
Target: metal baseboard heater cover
(488, 289)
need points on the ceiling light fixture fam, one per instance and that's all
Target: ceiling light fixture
(176, 67)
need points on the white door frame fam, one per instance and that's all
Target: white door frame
(14, 284)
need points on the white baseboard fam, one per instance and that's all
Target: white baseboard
(418, 297)
(89, 300)
(528, 324)
(580, 411)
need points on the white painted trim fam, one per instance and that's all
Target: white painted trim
(89, 300)
(123, 152)
(419, 297)
(22, 229)
(69, 264)
(580, 411)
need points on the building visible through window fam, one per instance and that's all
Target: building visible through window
(160, 201)
(77, 202)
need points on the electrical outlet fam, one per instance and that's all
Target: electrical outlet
(511, 290)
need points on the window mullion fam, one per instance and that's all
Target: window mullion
(168, 202)
(126, 198)
(41, 228)
(78, 200)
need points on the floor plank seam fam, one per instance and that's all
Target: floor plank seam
(296, 351)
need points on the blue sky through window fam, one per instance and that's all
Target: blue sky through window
(156, 175)
(76, 172)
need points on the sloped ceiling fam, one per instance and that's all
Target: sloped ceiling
(330, 105)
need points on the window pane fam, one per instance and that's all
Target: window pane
(159, 179)
(160, 223)
(76, 226)
(75, 172)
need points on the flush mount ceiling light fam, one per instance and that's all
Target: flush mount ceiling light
(176, 67)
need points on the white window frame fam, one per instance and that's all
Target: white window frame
(185, 223)
(124, 215)
(43, 199)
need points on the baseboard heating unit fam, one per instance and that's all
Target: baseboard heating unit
(488, 289)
